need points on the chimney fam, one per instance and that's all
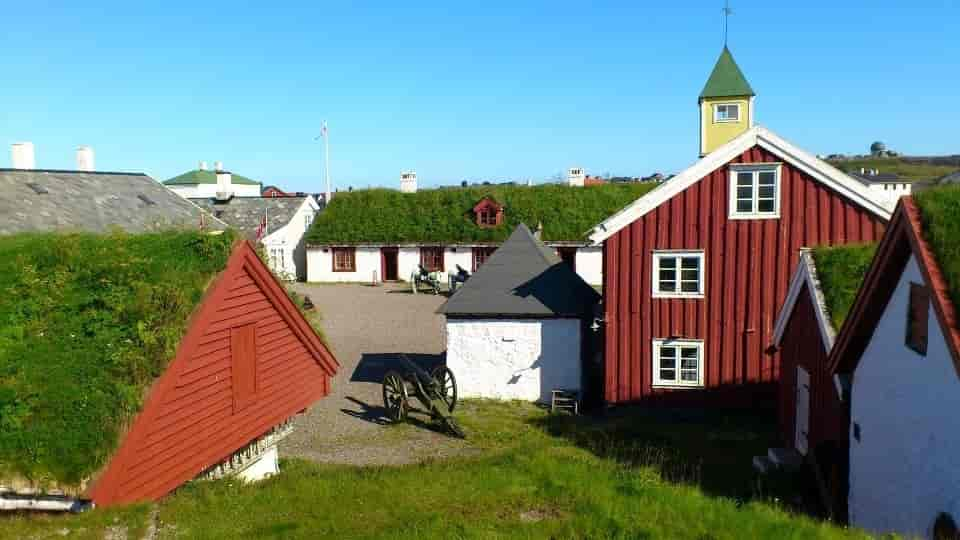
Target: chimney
(408, 182)
(575, 176)
(22, 155)
(224, 185)
(203, 165)
(218, 166)
(85, 159)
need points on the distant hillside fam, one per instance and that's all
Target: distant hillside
(906, 167)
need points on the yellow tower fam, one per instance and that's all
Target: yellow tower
(726, 104)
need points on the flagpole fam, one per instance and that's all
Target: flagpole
(326, 159)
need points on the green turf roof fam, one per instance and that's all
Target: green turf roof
(87, 322)
(940, 214)
(841, 270)
(206, 177)
(726, 79)
(382, 216)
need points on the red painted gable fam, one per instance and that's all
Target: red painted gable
(748, 264)
(208, 404)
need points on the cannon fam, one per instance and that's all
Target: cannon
(457, 278)
(435, 391)
(421, 276)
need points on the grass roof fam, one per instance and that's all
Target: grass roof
(87, 322)
(197, 176)
(841, 270)
(383, 216)
(940, 214)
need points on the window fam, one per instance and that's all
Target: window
(726, 112)
(282, 259)
(917, 318)
(344, 259)
(243, 356)
(678, 274)
(488, 217)
(755, 191)
(431, 258)
(677, 362)
(480, 256)
(307, 220)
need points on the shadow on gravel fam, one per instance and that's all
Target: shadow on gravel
(373, 366)
(377, 414)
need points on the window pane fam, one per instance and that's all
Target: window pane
(744, 179)
(765, 205)
(688, 376)
(765, 192)
(687, 263)
(733, 112)
(668, 375)
(690, 275)
(690, 286)
(667, 353)
(688, 363)
(689, 352)
(744, 206)
(767, 178)
(744, 192)
(668, 262)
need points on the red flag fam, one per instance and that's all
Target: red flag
(262, 228)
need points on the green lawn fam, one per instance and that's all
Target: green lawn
(638, 475)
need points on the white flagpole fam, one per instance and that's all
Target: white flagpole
(326, 159)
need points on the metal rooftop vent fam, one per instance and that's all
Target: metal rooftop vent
(146, 200)
(37, 188)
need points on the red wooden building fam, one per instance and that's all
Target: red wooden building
(696, 271)
(248, 362)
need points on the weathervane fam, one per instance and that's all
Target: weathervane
(727, 11)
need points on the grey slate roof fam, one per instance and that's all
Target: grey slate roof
(523, 278)
(48, 200)
(245, 213)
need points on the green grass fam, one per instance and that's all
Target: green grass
(940, 211)
(445, 215)
(841, 270)
(86, 323)
(907, 170)
(639, 475)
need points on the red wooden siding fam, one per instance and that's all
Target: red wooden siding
(246, 342)
(748, 266)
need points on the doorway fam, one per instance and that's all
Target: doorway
(388, 262)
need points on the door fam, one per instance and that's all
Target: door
(388, 257)
(569, 256)
(802, 420)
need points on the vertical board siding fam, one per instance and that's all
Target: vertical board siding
(748, 265)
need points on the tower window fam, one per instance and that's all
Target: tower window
(755, 191)
(726, 112)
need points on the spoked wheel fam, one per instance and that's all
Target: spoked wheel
(395, 396)
(447, 384)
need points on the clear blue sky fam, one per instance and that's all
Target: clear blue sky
(485, 90)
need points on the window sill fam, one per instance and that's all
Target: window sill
(673, 296)
(753, 216)
(737, 121)
(678, 386)
(344, 271)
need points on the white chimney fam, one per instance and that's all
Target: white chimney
(203, 165)
(85, 160)
(22, 155)
(224, 185)
(408, 182)
(218, 165)
(575, 176)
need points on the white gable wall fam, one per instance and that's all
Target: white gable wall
(514, 359)
(589, 264)
(287, 243)
(200, 191)
(905, 469)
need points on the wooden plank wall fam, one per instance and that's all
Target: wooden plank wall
(749, 263)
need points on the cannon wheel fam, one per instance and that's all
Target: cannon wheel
(395, 396)
(447, 384)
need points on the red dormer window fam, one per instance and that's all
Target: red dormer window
(488, 213)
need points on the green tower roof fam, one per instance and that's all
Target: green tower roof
(726, 79)
(205, 177)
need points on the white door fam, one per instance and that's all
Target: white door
(802, 420)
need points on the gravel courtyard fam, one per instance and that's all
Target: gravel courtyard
(367, 327)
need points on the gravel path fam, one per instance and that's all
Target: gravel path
(367, 327)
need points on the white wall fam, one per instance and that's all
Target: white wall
(463, 256)
(514, 359)
(589, 263)
(889, 193)
(407, 260)
(906, 467)
(199, 191)
(320, 266)
(289, 239)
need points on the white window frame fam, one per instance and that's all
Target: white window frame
(716, 113)
(678, 254)
(755, 169)
(677, 344)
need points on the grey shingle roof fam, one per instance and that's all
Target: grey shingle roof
(46, 200)
(244, 213)
(523, 278)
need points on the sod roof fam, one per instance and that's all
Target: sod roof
(841, 270)
(87, 322)
(383, 216)
(197, 176)
(940, 215)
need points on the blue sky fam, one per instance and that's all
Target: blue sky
(489, 90)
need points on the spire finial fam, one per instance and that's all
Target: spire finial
(727, 11)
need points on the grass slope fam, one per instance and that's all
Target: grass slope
(86, 323)
(841, 270)
(445, 215)
(907, 170)
(940, 211)
(533, 476)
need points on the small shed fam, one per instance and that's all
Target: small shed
(135, 363)
(516, 329)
